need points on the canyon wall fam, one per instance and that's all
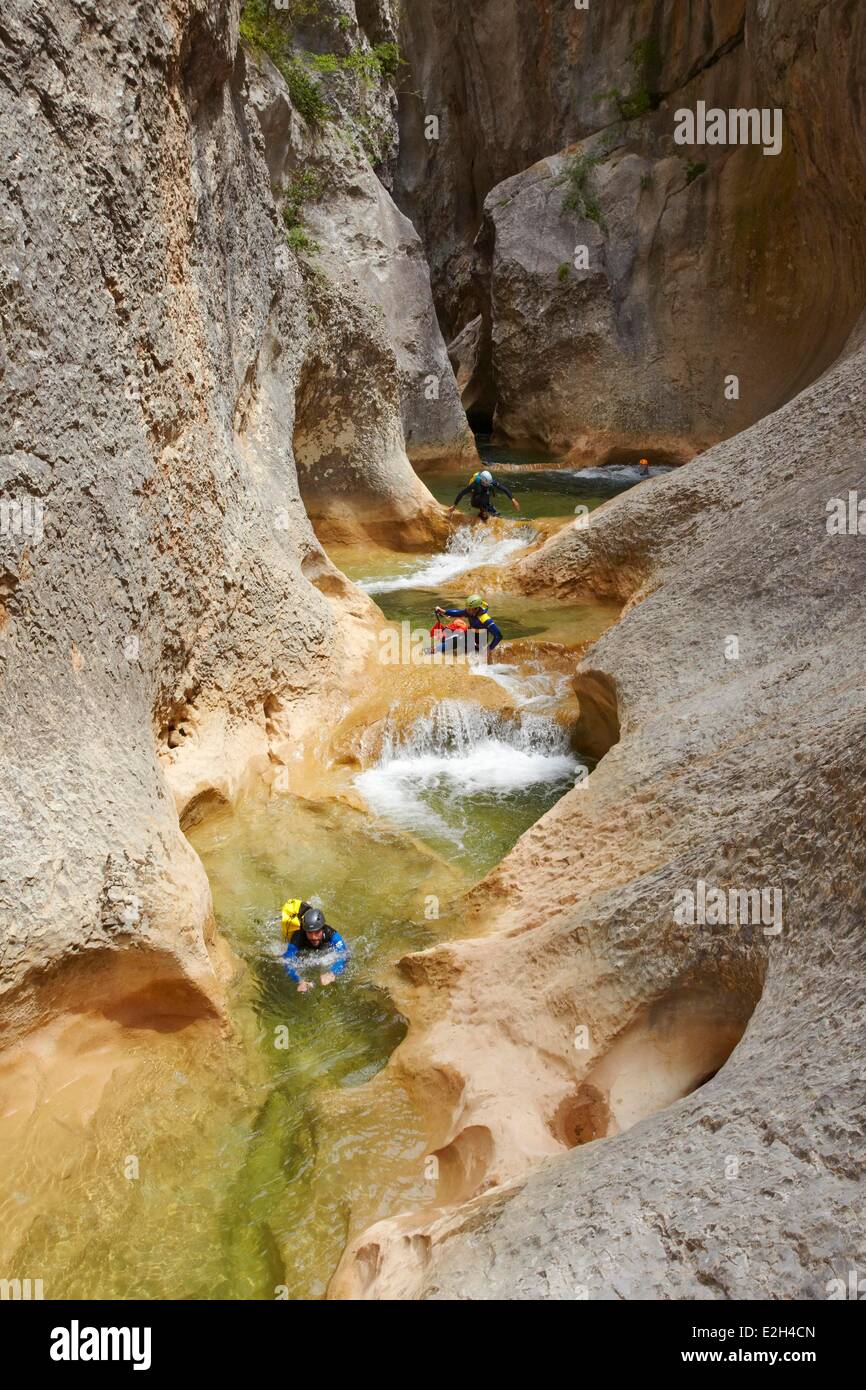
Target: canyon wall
(217, 330)
(715, 1056)
(377, 386)
(732, 702)
(170, 628)
(609, 281)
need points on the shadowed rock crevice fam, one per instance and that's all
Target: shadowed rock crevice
(463, 1164)
(669, 1050)
(597, 728)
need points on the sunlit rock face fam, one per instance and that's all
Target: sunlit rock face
(628, 985)
(637, 295)
(165, 606)
(372, 258)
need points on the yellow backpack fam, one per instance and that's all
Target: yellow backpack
(291, 917)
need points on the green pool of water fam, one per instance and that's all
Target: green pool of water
(316, 1159)
(539, 494)
(321, 1163)
(517, 617)
(257, 1157)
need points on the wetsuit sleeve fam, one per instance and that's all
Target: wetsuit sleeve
(495, 634)
(291, 953)
(456, 613)
(339, 945)
(461, 495)
(500, 487)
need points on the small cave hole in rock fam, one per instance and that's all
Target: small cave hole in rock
(671, 1049)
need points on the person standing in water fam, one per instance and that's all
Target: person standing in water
(481, 487)
(477, 614)
(644, 468)
(313, 935)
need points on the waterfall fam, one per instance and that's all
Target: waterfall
(460, 750)
(531, 685)
(468, 548)
(455, 728)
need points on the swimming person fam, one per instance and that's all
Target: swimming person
(313, 935)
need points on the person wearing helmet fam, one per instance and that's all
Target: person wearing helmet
(314, 935)
(644, 468)
(481, 487)
(477, 614)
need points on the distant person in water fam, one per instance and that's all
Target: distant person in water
(644, 468)
(480, 489)
(477, 614)
(313, 934)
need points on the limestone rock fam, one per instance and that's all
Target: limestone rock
(372, 258)
(586, 1005)
(510, 83)
(158, 570)
(639, 296)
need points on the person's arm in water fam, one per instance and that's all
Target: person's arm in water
(500, 487)
(337, 944)
(291, 953)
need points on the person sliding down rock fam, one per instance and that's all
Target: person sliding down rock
(481, 487)
(477, 614)
(313, 935)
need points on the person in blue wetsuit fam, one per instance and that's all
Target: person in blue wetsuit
(314, 935)
(477, 614)
(480, 488)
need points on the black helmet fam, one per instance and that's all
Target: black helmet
(313, 920)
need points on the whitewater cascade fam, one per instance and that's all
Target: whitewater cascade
(530, 685)
(468, 548)
(458, 750)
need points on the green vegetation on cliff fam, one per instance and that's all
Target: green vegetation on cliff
(579, 199)
(645, 60)
(265, 31)
(370, 65)
(306, 187)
